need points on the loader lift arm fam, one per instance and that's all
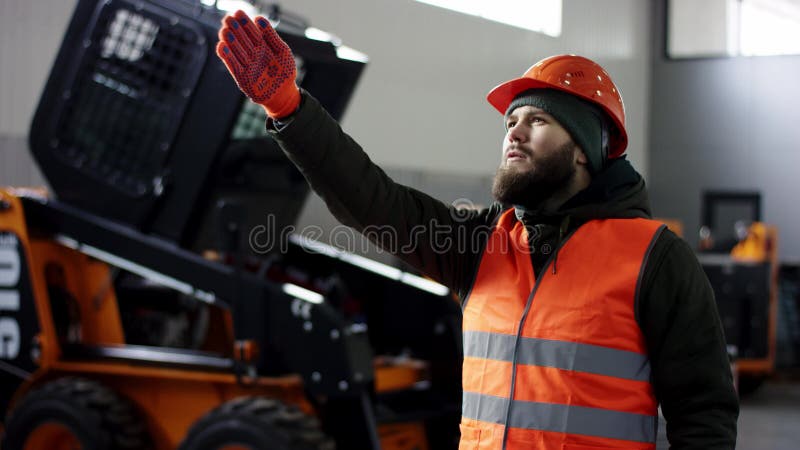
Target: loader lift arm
(333, 358)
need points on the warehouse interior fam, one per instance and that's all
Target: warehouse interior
(711, 127)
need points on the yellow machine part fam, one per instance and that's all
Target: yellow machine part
(761, 246)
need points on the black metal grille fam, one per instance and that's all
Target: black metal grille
(128, 95)
(250, 123)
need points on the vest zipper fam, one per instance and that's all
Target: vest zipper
(528, 304)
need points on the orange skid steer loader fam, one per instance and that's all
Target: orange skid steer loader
(152, 298)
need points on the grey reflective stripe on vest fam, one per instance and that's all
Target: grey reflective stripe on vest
(559, 418)
(559, 354)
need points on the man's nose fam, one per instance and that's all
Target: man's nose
(516, 134)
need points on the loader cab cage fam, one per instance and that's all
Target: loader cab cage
(130, 89)
(139, 113)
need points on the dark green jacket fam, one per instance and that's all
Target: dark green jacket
(676, 310)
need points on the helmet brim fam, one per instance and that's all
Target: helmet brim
(501, 96)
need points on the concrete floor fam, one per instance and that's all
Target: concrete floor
(769, 419)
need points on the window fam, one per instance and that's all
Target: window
(543, 16)
(732, 28)
(769, 27)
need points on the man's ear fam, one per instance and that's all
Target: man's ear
(580, 157)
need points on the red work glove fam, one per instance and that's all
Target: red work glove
(260, 62)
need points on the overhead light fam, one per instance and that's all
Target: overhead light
(425, 284)
(296, 291)
(315, 246)
(342, 51)
(320, 35)
(232, 6)
(373, 266)
(543, 16)
(345, 52)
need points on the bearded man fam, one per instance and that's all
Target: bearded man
(581, 314)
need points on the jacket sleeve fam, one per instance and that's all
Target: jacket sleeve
(431, 236)
(691, 372)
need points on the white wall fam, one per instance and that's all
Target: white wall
(421, 102)
(30, 34)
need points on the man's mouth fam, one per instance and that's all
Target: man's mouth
(515, 155)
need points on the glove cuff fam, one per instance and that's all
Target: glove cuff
(283, 104)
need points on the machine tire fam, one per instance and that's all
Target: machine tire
(79, 410)
(256, 423)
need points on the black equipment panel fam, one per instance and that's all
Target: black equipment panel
(112, 109)
(138, 113)
(742, 294)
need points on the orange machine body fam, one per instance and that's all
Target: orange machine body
(170, 399)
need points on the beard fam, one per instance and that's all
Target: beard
(530, 187)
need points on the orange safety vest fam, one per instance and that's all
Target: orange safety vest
(564, 347)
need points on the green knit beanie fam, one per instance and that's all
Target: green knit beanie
(582, 120)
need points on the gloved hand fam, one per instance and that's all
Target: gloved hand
(260, 62)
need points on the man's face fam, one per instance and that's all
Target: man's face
(539, 158)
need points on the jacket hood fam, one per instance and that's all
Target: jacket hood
(618, 192)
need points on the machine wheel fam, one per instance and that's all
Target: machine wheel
(74, 413)
(256, 423)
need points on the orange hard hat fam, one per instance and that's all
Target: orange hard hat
(575, 75)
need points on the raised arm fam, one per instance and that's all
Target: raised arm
(426, 233)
